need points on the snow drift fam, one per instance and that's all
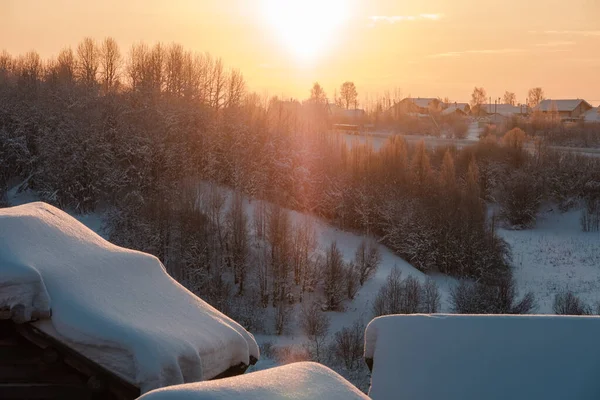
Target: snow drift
(304, 380)
(462, 357)
(116, 306)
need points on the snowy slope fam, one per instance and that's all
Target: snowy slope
(297, 381)
(556, 256)
(463, 357)
(348, 242)
(116, 306)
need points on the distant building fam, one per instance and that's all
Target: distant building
(454, 111)
(464, 107)
(592, 116)
(340, 115)
(504, 110)
(417, 106)
(572, 109)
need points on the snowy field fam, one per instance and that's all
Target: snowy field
(556, 256)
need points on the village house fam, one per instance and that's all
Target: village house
(456, 109)
(460, 108)
(592, 116)
(567, 110)
(502, 110)
(351, 116)
(417, 106)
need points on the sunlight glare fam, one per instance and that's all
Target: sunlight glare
(307, 27)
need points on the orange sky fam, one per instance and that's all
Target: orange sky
(425, 48)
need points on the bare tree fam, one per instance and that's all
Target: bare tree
(334, 277)
(535, 96)
(367, 259)
(154, 73)
(566, 303)
(351, 276)
(236, 87)
(280, 240)
(174, 69)
(110, 64)
(431, 297)
(238, 243)
(317, 94)
(304, 245)
(6, 66)
(88, 61)
(315, 325)
(30, 67)
(218, 81)
(348, 94)
(478, 97)
(283, 314)
(66, 66)
(348, 345)
(135, 65)
(509, 98)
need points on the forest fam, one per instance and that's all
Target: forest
(173, 147)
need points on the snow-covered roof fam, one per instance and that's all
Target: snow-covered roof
(422, 102)
(507, 110)
(297, 381)
(452, 110)
(560, 105)
(461, 106)
(346, 113)
(455, 357)
(592, 115)
(118, 307)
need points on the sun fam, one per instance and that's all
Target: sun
(306, 28)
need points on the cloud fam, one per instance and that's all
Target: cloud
(484, 51)
(556, 43)
(567, 32)
(392, 19)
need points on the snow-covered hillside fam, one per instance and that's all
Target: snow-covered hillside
(552, 257)
(116, 306)
(556, 256)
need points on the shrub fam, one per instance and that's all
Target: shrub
(315, 325)
(407, 296)
(333, 276)
(478, 298)
(367, 260)
(347, 346)
(431, 297)
(352, 277)
(566, 303)
(520, 197)
(590, 214)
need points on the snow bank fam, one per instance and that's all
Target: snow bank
(116, 306)
(451, 357)
(297, 381)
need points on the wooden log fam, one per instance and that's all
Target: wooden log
(43, 391)
(18, 315)
(369, 362)
(50, 356)
(116, 385)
